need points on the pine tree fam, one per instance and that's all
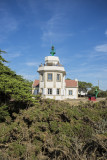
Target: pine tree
(13, 88)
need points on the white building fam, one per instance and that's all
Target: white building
(82, 93)
(52, 83)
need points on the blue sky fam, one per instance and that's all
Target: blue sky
(77, 29)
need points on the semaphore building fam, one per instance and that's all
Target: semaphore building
(52, 83)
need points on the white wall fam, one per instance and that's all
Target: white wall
(58, 84)
(50, 97)
(59, 97)
(74, 93)
(49, 84)
(41, 84)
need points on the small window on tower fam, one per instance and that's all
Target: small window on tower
(49, 76)
(58, 77)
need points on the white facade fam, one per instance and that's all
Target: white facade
(74, 93)
(52, 82)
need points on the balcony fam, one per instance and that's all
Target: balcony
(51, 64)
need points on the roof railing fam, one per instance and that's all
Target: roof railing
(59, 65)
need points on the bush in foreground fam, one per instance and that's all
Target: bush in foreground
(56, 130)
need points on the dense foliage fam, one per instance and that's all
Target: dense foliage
(56, 130)
(84, 86)
(100, 92)
(15, 92)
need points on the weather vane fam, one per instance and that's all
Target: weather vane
(52, 51)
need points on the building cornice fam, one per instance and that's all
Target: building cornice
(51, 69)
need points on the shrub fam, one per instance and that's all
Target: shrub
(17, 150)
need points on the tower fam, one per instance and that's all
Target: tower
(52, 78)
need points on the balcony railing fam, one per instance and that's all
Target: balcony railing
(50, 64)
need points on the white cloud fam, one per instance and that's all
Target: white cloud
(90, 73)
(14, 55)
(101, 48)
(56, 37)
(11, 54)
(106, 32)
(54, 29)
(28, 76)
(36, 64)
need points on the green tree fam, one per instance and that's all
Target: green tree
(13, 88)
(92, 91)
(102, 93)
(83, 86)
(1, 58)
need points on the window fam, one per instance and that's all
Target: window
(58, 91)
(49, 90)
(58, 77)
(49, 76)
(70, 92)
(37, 91)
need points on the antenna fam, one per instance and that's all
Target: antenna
(98, 84)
